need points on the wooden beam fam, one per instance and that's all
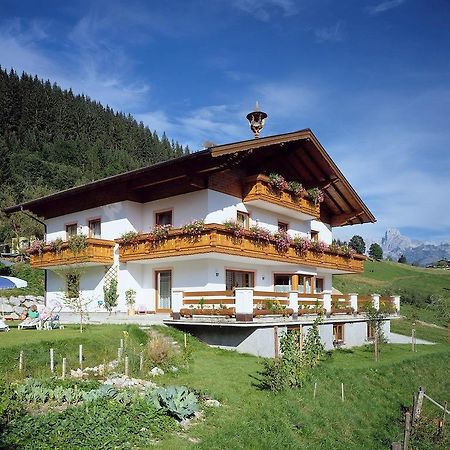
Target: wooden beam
(342, 219)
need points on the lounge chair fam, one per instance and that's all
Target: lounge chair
(3, 326)
(30, 323)
(50, 318)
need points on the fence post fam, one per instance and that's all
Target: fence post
(354, 302)
(177, 304)
(327, 302)
(52, 360)
(64, 364)
(21, 361)
(376, 301)
(275, 342)
(293, 303)
(407, 430)
(244, 304)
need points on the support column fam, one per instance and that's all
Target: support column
(376, 301)
(293, 303)
(177, 304)
(244, 304)
(327, 302)
(396, 301)
(354, 302)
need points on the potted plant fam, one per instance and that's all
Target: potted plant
(130, 299)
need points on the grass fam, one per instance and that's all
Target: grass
(370, 417)
(100, 344)
(385, 275)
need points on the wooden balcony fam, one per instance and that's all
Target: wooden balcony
(97, 252)
(218, 239)
(257, 191)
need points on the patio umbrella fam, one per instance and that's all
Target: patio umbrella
(12, 282)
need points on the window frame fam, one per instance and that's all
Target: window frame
(234, 271)
(91, 221)
(314, 235)
(161, 212)
(71, 224)
(283, 226)
(246, 217)
(337, 326)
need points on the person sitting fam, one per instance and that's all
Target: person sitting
(33, 313)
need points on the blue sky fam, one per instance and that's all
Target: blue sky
(371, 78)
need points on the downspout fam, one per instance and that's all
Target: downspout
(45, 238)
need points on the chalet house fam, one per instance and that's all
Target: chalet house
(225, 236)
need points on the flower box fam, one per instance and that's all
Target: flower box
(190, 312)
(270, 312)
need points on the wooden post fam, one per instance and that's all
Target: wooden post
(407, 430)
(301, 339)
(21, 361)
(64, 364)
(315, 390)
(375, 342)
(443, 420)
(121, 343)
(413, 337)
(52, 361)
(141, 362)
(80, 356)
(342, 391)
(418, 405)
(119, 354)
(126, 366)
(275, 342)
(185, 340)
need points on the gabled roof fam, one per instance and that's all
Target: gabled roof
(296, 156)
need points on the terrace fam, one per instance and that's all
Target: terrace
(249, 305)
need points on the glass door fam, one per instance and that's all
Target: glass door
(164, 289)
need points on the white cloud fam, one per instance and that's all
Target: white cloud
(334, 33)
(264, 9)
(384, 6)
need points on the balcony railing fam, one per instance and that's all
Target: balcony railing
(248, 304)
(217, 238)
(96, 252)
(257, 189)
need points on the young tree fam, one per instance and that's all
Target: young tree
(357, 243)
(402, 260)
(376, 252)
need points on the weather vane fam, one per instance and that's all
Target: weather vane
(256, 119)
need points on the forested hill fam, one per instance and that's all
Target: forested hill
(52, 139)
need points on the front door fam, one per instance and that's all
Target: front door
(164, 289)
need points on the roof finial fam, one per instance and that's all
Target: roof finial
(256, 119)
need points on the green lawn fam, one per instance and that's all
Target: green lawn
(382, 275)
(369, 418)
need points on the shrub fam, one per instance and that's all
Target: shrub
(260, 234)
(282, 241)
(130, 297)
(160, 232)
(110, 294)
(10, 405)
(277, 182)
(236, 228)
(296, 188)
(316, 195)
(36, 247)
(130, 238)
(159, 350)
(302, 244)
(56, 245)
(77, 243)
(194, 228)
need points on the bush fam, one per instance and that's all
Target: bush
(159, 350)
(10, 406)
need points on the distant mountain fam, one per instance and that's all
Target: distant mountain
(394, 244)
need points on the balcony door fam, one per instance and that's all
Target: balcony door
(163, 289)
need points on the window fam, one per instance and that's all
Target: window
(95, 228)
(305, 283)
(282, 283)
(243, 219)
(314, 236)
(319, 286)
(71, 230)
(237, 278)
(370, 331)
(163, 218)
(338, 333)
(73, 285)
(283, 226)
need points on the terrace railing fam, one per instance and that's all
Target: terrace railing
(245, 304)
